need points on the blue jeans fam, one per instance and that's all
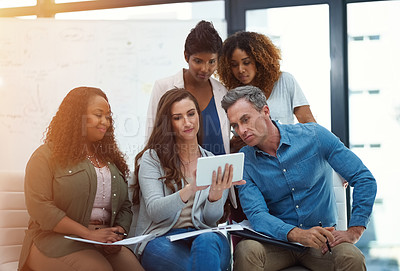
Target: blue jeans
(207, 251)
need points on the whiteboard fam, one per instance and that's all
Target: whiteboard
(42, 60)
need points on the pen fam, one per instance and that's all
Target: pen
(121, 233)
(327, 242)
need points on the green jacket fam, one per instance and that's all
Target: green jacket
(52, 192)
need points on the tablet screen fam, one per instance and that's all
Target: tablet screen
(206, 166)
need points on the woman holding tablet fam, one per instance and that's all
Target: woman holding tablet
(170, 201)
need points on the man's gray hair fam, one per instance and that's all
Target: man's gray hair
(252, 94)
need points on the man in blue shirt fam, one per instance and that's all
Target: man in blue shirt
(289, 190)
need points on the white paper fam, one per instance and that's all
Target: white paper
(184, 235)
(124, 242)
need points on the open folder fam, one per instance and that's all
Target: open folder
(124, 242)
(249, 233)
(222, 229)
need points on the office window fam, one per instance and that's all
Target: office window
(304, 43)
(207, 10)
(69, 1)
(374, 109)
(14, 4)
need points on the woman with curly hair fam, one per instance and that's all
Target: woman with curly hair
(170, 201)
(202, 47)
(250, 58)
(75, 184)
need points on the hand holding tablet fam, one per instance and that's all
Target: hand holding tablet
(206, 166)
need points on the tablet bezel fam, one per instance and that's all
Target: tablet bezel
(207, 164)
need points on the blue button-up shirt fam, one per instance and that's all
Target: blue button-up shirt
(294, 189)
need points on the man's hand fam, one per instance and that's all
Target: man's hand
(315, 237)
(352, 235)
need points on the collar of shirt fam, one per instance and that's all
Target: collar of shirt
(285, 140)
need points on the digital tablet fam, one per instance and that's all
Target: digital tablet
(206, 166)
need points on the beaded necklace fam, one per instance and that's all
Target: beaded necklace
(91, 157)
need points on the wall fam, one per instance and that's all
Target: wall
(42, 60)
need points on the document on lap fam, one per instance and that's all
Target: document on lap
(249, 233)
(175, 237)
(124, 242)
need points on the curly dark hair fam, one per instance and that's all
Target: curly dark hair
(162, 141)
(261, 49)
(203, 38)
(67, 138)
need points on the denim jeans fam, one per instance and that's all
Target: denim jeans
(207, 251)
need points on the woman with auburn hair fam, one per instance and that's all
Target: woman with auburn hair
(250, 58)
(75, 184)
(170, 201)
